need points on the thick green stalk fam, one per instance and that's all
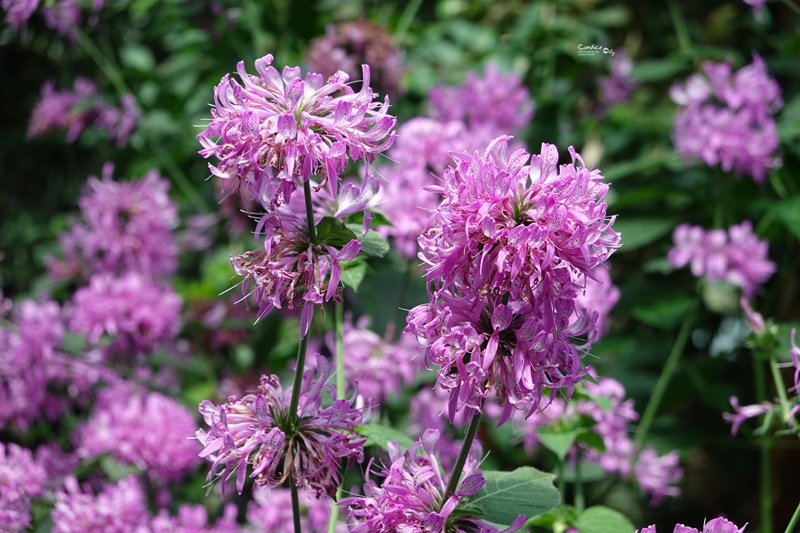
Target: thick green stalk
(663, 381)
(793, 521)
(780, 386)
(579, 498)
(392, 328)
(295, 509)
(455, 475)
(765, 481)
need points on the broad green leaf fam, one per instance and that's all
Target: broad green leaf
(353, 273)
(506, 495)
(378, 435)
(600, 519)
(603, 402)
(788, 212)
(664, 313)
(116, 470)
(558, 442)
(198, 392)
(637, 232)
(372, 243)
(333, 232)
(657, 69)
(378, 219)
(558, 519)
(591, 439)
(73, 343)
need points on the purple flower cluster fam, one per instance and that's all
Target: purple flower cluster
(726, 118)
(119, 508)
(125, 226)
(717, 525)
(137, 313)
(273, 131)
(21, 478)
(31, 364)
(657, 476)
(193, 519)
(600, 295)
(507, 252)
(375, 368)
(81, 107)
(259, 431)
(463, 118)
(271, 511)
(736, 256)
(62, 15)
(145, 429)
(18, 11)
(617, 87)
(411, 497)
(346, 46)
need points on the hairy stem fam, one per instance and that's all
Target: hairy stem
(455, 475)
(663, 381)
(312, 234)
(295, 509)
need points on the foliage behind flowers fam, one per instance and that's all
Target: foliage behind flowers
(459, 170)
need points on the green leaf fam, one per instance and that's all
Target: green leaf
(372, 243)
(603, 402)
(558, 519)
(378, 219)
(592, 439)
(353, 273)
(663, 313)
(558, 442)
(378, 435)
(73, 343)
(333, 232)
(137, 57)
(788, 212)
(506, 495)
(116, 470)
(637, 232)
(198, 392)
(657, 69)
(600, 519)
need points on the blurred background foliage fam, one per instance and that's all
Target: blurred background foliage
(170, 53)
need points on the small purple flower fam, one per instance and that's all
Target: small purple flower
(495, 101)
(507, 253)
(617, 88)
(271, 511)
(145, 429)
(63, 16)
(346, 46)
(755, 320)
(727, 118)
(193, 519)
(374, 368)
(118, 508)
(124, 225)
(275, 130)
(736, 256)
(743, 413)
(21, 479)
(411, 497)
(600, 296)
(258, 430)
(137, 313)
(658, 476)
(18, 11)
(717, 525)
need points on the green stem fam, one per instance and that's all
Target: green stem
(406, 19)
(780, 386)
(681, 31)
(792, 6)
(793, 521)
(766, 488)
(455, 475)
(295, 508)
(580, 501)
(338, 325)
(401, 294)
(663, 381)
(312, 234)
(562, 482)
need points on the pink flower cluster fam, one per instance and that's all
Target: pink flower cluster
(273, 131)
(618, 86)
(124, 226)
(258, 430)
(21, 479)
(62, 15)
(411, 497)
(81, 108)
(271, 511)
(657, 476)
(726, 118)
(507, 253)
(462, 118)
(736, 256)
(144, 429)
(717, 525)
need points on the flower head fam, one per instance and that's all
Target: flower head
(617, 88)
(736, 256)
(507, 252)
(257, 430)
(125, 226)
(726, 119)
(717, 525)
(118, 508)
(273, 131)
(194, 519)
(271, 511)
(411, 497)
(145, 429)
(21, 479)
